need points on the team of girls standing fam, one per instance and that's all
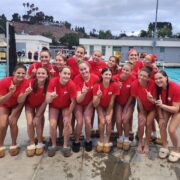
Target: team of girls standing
(79, 88)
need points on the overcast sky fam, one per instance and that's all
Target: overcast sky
(115, 15)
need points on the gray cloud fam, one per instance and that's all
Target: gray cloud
(117, 16)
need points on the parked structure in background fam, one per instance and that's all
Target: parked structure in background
(167, 49)
(31, 45)
(3, 45)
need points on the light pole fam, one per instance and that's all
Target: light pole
(155, 29)
(7, 51)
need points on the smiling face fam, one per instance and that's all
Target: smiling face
(41, 74)
(147, 61)
(160, 80)
(132, 56)
(59, 61)
(106, 76)
(19, 74)
(84, 70)
(112, 62)
(143, 77)
(126, 70)
(79, 53)
(45, 58)
(65, 75)
(96, 57)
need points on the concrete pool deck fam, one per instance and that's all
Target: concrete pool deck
(85, 166)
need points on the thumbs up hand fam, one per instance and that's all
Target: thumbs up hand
(34, 69)
(52, 71)
(149, 96)
(120, 84)
(54, 94)
(99, 92)
(159, 102)
(29, 89)
(84, 89)
(12, 87)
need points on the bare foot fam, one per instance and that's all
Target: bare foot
(139, 149)
(146, 149)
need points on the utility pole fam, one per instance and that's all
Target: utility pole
(7, 48)
(155, 29)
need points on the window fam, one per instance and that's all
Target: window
(103, 49)
(117, 51)
(116, 48)
(91, 49)
(162, 49)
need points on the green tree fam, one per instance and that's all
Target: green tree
(143, 33)
(70, 40)
(105, 34)
(67, 25)
(3, 20)
(164, 29)
(16, 17)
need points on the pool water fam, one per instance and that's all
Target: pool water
(173, 73)
(2, 70)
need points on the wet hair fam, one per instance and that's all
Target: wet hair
(81, 46)
(159, 89)
(61, 69)
(20, 65)
(103, 71)
(115, 69)
(83, 62)
(97, 51)
(62, 56)
(35, 84)
(45, 49)
(131, 50)
(128, 64)
(146, 69)
(153, 57)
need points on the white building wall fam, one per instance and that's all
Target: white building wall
(32, 43)
(171, 47)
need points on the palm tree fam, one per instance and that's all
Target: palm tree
(31, 6)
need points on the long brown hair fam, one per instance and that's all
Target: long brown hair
(159, 89)
(35, 84)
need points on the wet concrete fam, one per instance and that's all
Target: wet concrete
(86, 165)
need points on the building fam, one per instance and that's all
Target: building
(31, 43)
(167, 49)
(3, 46)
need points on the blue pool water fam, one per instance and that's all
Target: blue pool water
(173, 73)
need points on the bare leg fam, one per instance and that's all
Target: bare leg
(118, 113)
(79, 117)
(53, 118)
(126, 120)
(101, 123)
(141, 125)
(88, 113)
(13, 118)
(163, 128)
(175, 121)
(149, 123)
(67, 126)
(3, 124)
(30, 127)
